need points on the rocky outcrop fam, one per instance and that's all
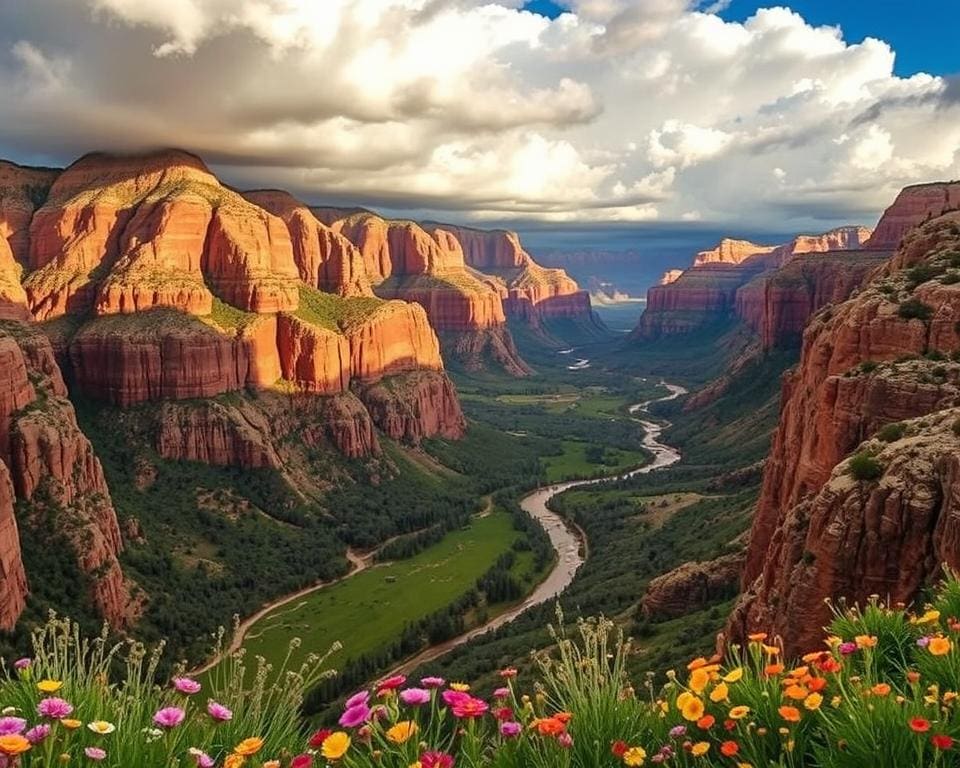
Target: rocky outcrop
(55, 475)
(415, 406)
(480, 350)
(670, 276)
(325, 259)
(395, 338)
(692, 587)
(839, 239)
(913, 206)
(730, 251)
(13, 578)
(872, 360)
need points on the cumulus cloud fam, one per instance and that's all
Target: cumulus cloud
(617, 110)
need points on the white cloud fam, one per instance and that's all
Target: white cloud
(619, 109)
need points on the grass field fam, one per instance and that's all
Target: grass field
(396, 593)
(574, 463)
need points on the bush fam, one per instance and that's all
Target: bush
(892, 432)
(914, 309)
(865, 467)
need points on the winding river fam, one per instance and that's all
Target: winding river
(569, 541)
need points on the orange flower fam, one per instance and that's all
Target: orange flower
(919, 725)
(796, 692)
(706, 722)
(880, 689)
(234, 761)
(564, 717)
(757, 637)
(697, 663)
(816, 684)
(739, 712)
(913, 677)
(729, 748)
(550, 726)
(772, 669)
(692, 709)
(13, 744)
(249, 746)
(865, 641)
(939, 646)
(790, 714)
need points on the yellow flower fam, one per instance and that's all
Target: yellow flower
(234, 761)
(865, 641)
(335, 745)
(700, 748)
(720, 693)
(634, 756)
(102, 727)
(459, 687)
(249, 746)
(939, 646)
(928, 617)
(71, 724)
(771, 650)
(49, 686)
(734, 675)
(692, 709)
(739, 712)
(698, 680)
(417, 764)
(402, 731)
(13, 744)
(813, 701)
(272, 764)
(683, 698)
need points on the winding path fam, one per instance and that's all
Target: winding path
(568, 540)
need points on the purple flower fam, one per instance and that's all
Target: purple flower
(54, 708)
(658, 758)
(169, 717)
(565, 740)
(432, 682)
(847, 648)
(923, 642)
(12, 725)
(38, 733)
(355, 716)
(510, 729)
(677, 731)
(202, 759)
(218, 712)
(415, 697)
(357, 699)
(95, 753)
(186, 685)
(452, 698)
(667, 751)
(21, 664)
(501, 693)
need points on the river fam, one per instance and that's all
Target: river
(569, 541)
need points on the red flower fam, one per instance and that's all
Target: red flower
(301, 761)
(729, 724)
(941, 741)
(391, 683)
(508, 673)
(503, 713)
(729, 748)
(618, 748)
(919, 725)
(316, 741)
(706, 722)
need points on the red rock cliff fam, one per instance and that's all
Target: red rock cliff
(13, 579)
(913, 206)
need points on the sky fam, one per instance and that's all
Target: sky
(572, 116)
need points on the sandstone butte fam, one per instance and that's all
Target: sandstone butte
(773, 289)
(881, 357)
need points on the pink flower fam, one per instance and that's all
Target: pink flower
(452, 698)
(38, 733)
(95, 753)
(12, 725)
(565, 740)
(510, 729)
(358, 698)
(301, 761)
(432, 682)
(470, 707)
(21, 664)
(202, 759)
(355, 716)
(186, 685)
(501, 693)
(218, 712)
(169, 717)
(415, 697)
(436, 760)
(54, 708)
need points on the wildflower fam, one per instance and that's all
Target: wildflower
(22, 664)
(678, 731)
(317, 739)
(813, 702)
(248, 746)
(847, 648)
(218, 712)
(634, 756)
(734, 675)
(101, 727)
(415, 697)
(201, 758)
(929, 617)
(719, 693)
(699, 680)
(234, 761)
(169, 717)
(363, 697)
(923, 642)
(402, 731)
(757, 637)
(335, 745)
(739, 712)
(54, 708)
(510, 729)
(919, 724)
(436, 760)
(391, 683)
(700, 748)
(706, 722)
(49, 686)
(95, 753)
(186, 685)
(469, 707)
(692, 709)
(13, 744)
(459, 687)
(772, 670)
(565, 740)
(865, 641)
(71, 724)
(941, 741)
(790, 714)
(549, 726)
(355, 716)
(729, 748)
(817, 684)
(11, 725)
(302, 761)
(618, 748)
(880, 689)
(508, 673)
(432, 682)
(501, 693)
(939, 646)
(38, 733)
(796, 692)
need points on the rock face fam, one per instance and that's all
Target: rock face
(414, 406)
(913, 206)
(55, 474)
(692, 586)
(13, 579)
(670, 276)
(730, 251)
(862, 366)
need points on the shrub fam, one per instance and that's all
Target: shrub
(892, 432)
(864, 467)
(914, 309)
